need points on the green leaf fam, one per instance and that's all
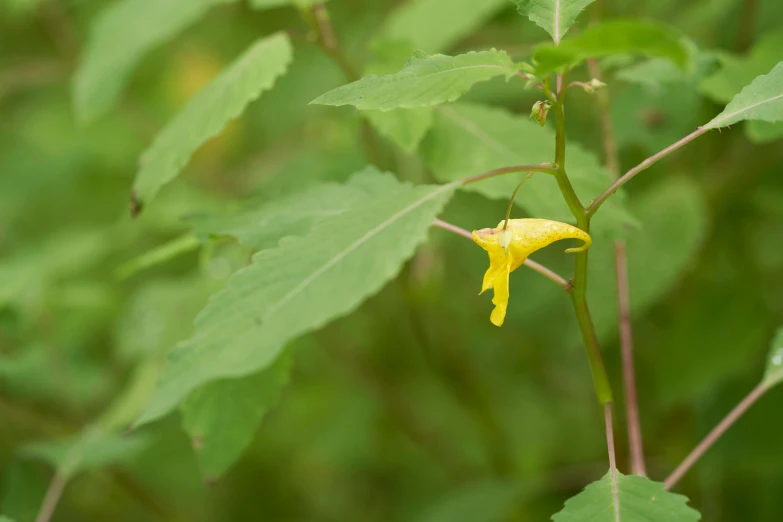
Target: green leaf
(555, 16)
(91, 450)
(300, 286)
(456, 19)
(262, 225)
(424, 81)
(469, 139)
(736, 72)
(222, 417)
(647, 38)
(638, 500)
(773, 375)
(761, 100)
(405, 127)
(120, 37)
(205, 116)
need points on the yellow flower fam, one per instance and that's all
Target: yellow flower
(508, 250)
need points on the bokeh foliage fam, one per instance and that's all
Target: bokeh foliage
(413, 407)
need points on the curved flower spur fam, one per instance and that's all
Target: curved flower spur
(510, 244)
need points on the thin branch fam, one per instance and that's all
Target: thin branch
(549, 169)
(715, 434)
(328, 40)
(612, 459)
(649, 162)
(541, 269)
(52, 498)
(635, 444)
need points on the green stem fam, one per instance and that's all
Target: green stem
(579, 291)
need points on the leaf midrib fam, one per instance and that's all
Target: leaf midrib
(353, 246)
(749, 107)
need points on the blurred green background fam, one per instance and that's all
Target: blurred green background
(414, 408)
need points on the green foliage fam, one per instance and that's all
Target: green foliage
(299, 286)
(209, 111)
(649, 39)
(555, 16)
(638, 499)
(468, 138)
(119, 39)
(90, 450)
(761, 100)
(222, 417)
(773, 375)
(424, 81)
(490, 501)
(413, 21)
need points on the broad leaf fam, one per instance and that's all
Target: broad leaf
(405, 127)
(263, 224)
(555, 16)
(413, 21)
(123, 33)
(423, 82)
(90, 450)
(638, 499)
(469, 139)
(222, 417)
(300, 286)
(761, 100)
(646, 38)
(205, 116)
(774, 372)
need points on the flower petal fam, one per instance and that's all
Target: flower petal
(500, 300)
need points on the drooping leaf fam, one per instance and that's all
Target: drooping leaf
(761, 100)
(299, 286)
(91, 450)
(555, 16)
(424, 81)
(651, 39)
(773, 375)
(123, 33)
(639, 499)
(222, 417)
(413, 21)
(470, 139)
(263, 224)
(222, 100)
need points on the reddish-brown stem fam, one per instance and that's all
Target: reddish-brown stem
(541, 269)
(649, 162)
(715, 434)
(635, 444)
(612, 458)
(52, 498)
(509, 170)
